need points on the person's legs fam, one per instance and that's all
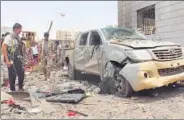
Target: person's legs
(35, 57)
(48, 69)
(20, 72)
(58, 61)
(44, 68)
(12, 77)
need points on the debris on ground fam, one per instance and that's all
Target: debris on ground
(66, 98)
(19, 95)
(34, 99)
(34, 110)
(5, 96)
(134, 98)
(10, 101)
(73, 113)
(14, 107)
(88, 103)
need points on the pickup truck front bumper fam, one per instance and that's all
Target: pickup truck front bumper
(153, 74)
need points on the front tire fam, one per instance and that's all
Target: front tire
(114, 83)
(124, 88)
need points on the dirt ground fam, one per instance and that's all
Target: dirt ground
(166, 104)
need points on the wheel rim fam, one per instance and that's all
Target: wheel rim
(121, 87)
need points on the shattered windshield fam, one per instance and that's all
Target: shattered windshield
(122, 34)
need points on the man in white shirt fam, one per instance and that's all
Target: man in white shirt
(35, 52)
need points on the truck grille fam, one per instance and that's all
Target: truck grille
(171, 71)
(168, 54)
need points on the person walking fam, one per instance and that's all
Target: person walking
(12, 52)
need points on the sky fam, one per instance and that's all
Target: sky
(37, 15)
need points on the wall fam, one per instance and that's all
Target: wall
(66, 35)
(169, 17)
(5, 29)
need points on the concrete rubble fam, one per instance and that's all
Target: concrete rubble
(94, 106)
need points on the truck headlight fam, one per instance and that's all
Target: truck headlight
(138, 55)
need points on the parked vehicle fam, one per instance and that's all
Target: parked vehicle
(126, 60)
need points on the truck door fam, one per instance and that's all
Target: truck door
(93, 53)
(80, 49)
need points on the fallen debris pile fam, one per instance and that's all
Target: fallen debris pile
(71, 96)
(35, 97)
(12, 106)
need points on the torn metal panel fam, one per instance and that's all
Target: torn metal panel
(143, 43)
(93, 60)
(109, 70)
(115, 53)
(79, 57)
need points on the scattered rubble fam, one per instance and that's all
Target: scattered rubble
(89, 105)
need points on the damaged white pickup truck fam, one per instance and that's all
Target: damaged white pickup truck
(126, 61)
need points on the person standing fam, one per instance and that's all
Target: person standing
(2, 38)
(45, 56)
(35, 52)
(12, 52)
(58, 54)
(63, 59)
(4, 69)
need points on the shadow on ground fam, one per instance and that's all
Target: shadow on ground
(162, 93)
(146, 96)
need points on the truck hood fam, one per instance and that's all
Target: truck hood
(143, 43)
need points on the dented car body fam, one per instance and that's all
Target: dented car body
(142, 63)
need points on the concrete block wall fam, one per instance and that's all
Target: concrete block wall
(169, 17)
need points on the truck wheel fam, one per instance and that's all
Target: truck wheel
(106, 87)
(113, 83)
(124, 88)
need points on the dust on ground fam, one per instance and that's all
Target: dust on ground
(167, 104)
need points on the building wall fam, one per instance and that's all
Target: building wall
(5, 29)
(66, 35)
(169, 17)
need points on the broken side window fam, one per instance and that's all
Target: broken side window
(95, 38)
(83, 39)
